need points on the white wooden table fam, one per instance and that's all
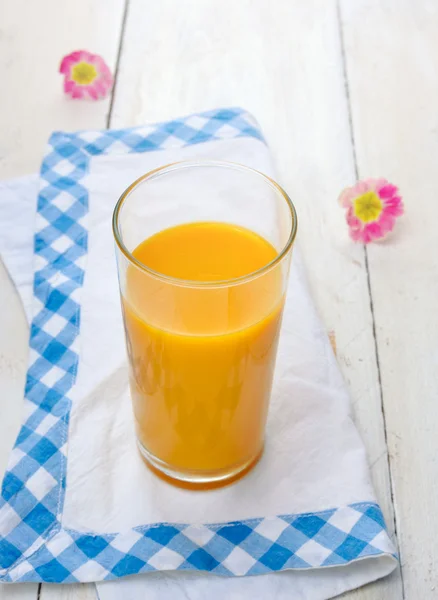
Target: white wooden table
(341, 90)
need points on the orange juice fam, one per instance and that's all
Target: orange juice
(202, 356)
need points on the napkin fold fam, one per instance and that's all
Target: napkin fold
(78, 504)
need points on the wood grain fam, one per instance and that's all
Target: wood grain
(283, 62)
(68, 592)
(392, 63)
(23, 591)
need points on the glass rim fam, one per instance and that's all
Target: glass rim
(168, 168)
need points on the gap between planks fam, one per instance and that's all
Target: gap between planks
(370, 294)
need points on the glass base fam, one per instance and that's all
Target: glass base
(197, 480)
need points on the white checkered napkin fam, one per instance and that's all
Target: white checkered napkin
(34, 546)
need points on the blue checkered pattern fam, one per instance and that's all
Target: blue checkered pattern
(33, 544)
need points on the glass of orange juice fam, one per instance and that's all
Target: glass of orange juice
(203, 253)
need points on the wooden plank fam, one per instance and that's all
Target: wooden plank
(33, 39)
(393, 76)
(68, 592)
(24, 591)
(283, 62)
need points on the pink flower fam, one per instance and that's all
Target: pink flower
(85, 75)
(373, 206)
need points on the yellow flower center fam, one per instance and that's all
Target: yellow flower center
(368, 207)
(83, 73)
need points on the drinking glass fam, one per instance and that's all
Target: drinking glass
(201, 351)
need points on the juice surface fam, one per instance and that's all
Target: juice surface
(202, 359)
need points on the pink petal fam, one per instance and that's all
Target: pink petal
(371, 232)
(107, 78)
(361, 187)
(376, 183)
(357, 235)
(69, 85)
(350, 193)
(375, 230)
(395, 210)
(86, 56)
(387, 191)
(386, 224)
(346, 197)
(66, 65)
(98, 62)
(396, 200)
(352, 220)
(101, 67)
(394, 206)
(366, 236)
(102, 88)
(68, 61)
(91, 91)
(77, 92)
